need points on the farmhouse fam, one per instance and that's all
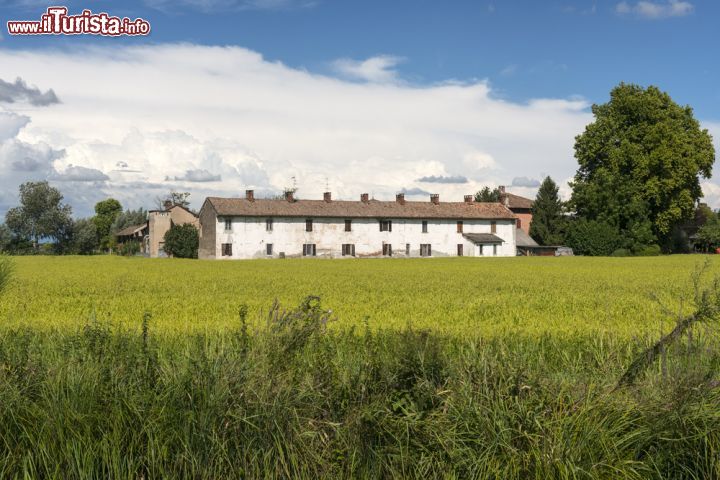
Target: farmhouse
(151, 234)
(160, 221)
(240, 228)
(520, 206)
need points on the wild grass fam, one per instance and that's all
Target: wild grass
(283, 392)
(296, 400)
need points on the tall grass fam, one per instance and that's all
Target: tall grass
(295, 399)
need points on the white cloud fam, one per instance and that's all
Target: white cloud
(379, 69)
(655, 10)
(145, 116)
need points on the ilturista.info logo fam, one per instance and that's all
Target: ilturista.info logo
(56, 21)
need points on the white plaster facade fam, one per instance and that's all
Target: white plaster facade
(249, 237)
(244, 237)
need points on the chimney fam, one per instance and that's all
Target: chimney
(469, 199)
(400, 198)
(435, 198)
(327, 196)
(364, 197)
(501, 188)
(250, 195)
(167, 204)
(289, 196)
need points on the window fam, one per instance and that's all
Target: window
(460, 226)
(269, 249)
(460, 249)
(308, 225)
(425, 250)
(424, 226)
(348, 225)
(407, 249)
(518, 223)
(387, 250)
(348, 250)
(309, 250)
(495, 250)
(386, 225)
(226, 249)
(228, 224)
(493, 227)
(269, 225)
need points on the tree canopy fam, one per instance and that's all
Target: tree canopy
(41, 214)
(487, 195)
(548, 222)
(106, 212)
(182, 241)
(640, 163)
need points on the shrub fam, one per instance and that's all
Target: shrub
(592, 237)
(129, 249)
(648, 251)
(621, 252)
(182, 241)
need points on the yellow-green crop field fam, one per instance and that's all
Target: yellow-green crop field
(500, 296)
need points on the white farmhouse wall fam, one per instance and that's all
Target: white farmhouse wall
(249, 237)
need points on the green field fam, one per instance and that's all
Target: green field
(529, 296)
(459, 368)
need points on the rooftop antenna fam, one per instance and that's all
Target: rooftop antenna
(294, 182)
(327, 184)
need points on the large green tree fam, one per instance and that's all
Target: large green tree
(548, 223)
(85, 239)
(106, 212)
(182, 241)
(640, 163)
(41, 214)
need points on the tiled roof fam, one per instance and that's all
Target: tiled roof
(516, 201)
(130, 230)
(483, 238)
(522, 239)
(357, 209)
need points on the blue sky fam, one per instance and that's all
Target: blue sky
(527, 49)
(515, 57)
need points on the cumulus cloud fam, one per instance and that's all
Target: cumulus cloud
(197, 175)
(443, 179)
(80, 174)
(415, 191)
(178, 108)
(655, 10)
(380, 69)
(525, 182)
(19, 92)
